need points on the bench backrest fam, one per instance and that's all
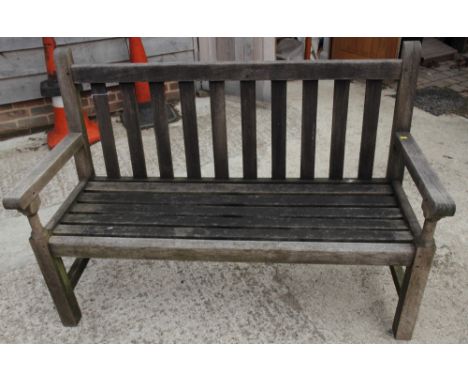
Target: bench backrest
(341, 71)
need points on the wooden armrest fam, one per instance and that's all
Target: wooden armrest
(27, 190)
(436, 200)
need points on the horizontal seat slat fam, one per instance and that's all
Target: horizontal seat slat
(183, 210)
(259, 221)
(296, 234)
(227, 71)
(229, 250)
(237, 199)
(255, 188)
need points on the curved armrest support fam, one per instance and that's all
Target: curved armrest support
(437, 203)
(28, 189)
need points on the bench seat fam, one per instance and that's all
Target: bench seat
(319, 221)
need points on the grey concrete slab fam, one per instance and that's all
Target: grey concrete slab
(144, 301)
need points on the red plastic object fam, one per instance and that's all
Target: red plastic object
(49, 46)
(60, 129)
(138, 56)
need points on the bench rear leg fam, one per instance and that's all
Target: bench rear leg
(53, 270)
(414, 283)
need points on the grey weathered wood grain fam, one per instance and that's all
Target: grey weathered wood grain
(135, 143)
(234, 233)
(28, 189)
(76, 270)
(335, 69)
(229, 250)
(238, 199)
(259, 187)
(161, 130)
(59, 286)
(404, 103)
(16, 43)
(249, 129)
(162, 46)
(101, 103)
(278, 129)
(22, 88)
(338, 134)
(215, 233)
(406, 209)
(397, 273)
(280, 211)
(437, 201)
(414, 283)
(256, 221)
(263, 180)
(189, 119)
(369, 128)
(65, 206)
(23, 66)
(72, 104)
(309, 127)
(218, 120)
(52, 269)
(21, 57)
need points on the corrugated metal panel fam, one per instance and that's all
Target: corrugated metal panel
(22, 65)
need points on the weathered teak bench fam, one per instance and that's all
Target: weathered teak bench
(308, 220)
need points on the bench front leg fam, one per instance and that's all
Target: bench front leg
(436, 205)
(414, 283)
(53, 269)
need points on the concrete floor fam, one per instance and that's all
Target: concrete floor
(159, 302)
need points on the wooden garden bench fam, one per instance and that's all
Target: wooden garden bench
(364, 220)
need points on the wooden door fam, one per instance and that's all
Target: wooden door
(364, 47)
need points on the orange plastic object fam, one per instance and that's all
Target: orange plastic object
(138, 56)
(60, 129)
(49, 46)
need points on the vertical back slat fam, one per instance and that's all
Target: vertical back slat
(161, 130)
(403, 114)
(309, 128)
(369, 128)
(189, 120)
(339, 118)
(101, 104)
(135, 143)
(249, 129)
(278, 129)
(218, 120)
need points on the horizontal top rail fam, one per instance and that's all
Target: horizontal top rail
(225, 71)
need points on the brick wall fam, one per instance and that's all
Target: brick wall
(23, 118)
